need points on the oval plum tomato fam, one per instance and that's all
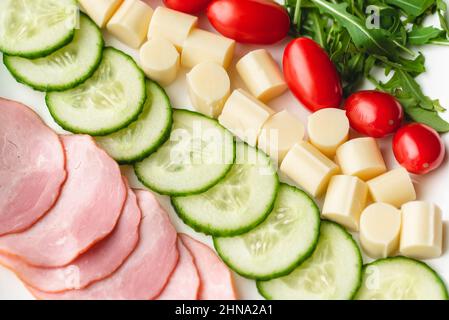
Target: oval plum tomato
(249, 21)
(418, 148)
(311, 75)
(187, 6)
(374, 113)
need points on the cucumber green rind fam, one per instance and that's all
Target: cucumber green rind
(23, 79)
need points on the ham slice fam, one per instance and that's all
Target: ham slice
(87, 210)
(147, 270)
(31, 167)
(216, 279)
(96, 264)
(184, 284)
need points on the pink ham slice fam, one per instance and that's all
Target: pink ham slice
(31, 167)
(87, 210)
(184, 284)
(216, 279)
(96, 264)
(147, 270)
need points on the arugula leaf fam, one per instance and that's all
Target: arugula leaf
(423, 35)
(413, 8)
(430, 118)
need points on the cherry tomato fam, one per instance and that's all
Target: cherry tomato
(311, 75)
(187, 6)
(249, 21)
(418, 148)
(374, 113)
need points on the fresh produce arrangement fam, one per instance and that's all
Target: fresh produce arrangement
(301, 209)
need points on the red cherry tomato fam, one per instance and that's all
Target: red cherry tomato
(187, 6)
(249, 21)
(374, 113)
(311, 75)
(418, 148)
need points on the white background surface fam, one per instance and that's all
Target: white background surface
(433, 187)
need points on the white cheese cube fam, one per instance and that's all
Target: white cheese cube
(362, 158)
(100, 11)
(130, 22)
(160, 60)
(261, 75)
(380, 227)
(394, 187)
(172, 25)
(244, 116)
(201, 46)
(309, 168)
(279, 134)
(422, 230)
(345, 199)
(209, 87)
(328, 129)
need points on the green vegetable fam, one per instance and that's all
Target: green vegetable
(361, 36)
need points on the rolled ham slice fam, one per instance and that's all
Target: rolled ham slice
(216, 279)
(87, 209)
(96, 264)
(184, 283)
(147, 270)
(31, 167)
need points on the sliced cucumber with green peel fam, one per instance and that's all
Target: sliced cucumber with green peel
(144, 136)
(401, 278)
(105, 103)
(198, 154)
(274, 248)
(36, 28)
(66, 67)
(333, 272)
(238, 203)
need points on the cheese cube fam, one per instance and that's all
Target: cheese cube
(160, 60)
(209, 87)
(362, 158)
(328, 129)
(422, 230)
(345, 199)
(244, 116)
(130, 23)
(100, 10)
(172, 25)
(261, 75)
(394, 187)
(380, 227)
(309, 168)
(201, 46)
(279, 134)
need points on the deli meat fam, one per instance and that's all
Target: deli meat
(216, 279)
(87, 209)
(96, 264)
(31, 167)
(147, 270)
(184, 283)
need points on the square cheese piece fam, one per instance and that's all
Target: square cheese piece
(279, 134)
(244, 116)
(394, 187)
(309, 168)
(361, 158)
(345, 199)
(100, 11)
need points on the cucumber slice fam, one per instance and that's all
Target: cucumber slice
(238, 203)
(36, 28)
(401, 278)
(199, 153)
(107, 102)
(333, 272)
(274, 248)
(144, 136)
(65, 68)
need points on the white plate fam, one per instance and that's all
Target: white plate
(433, 187)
